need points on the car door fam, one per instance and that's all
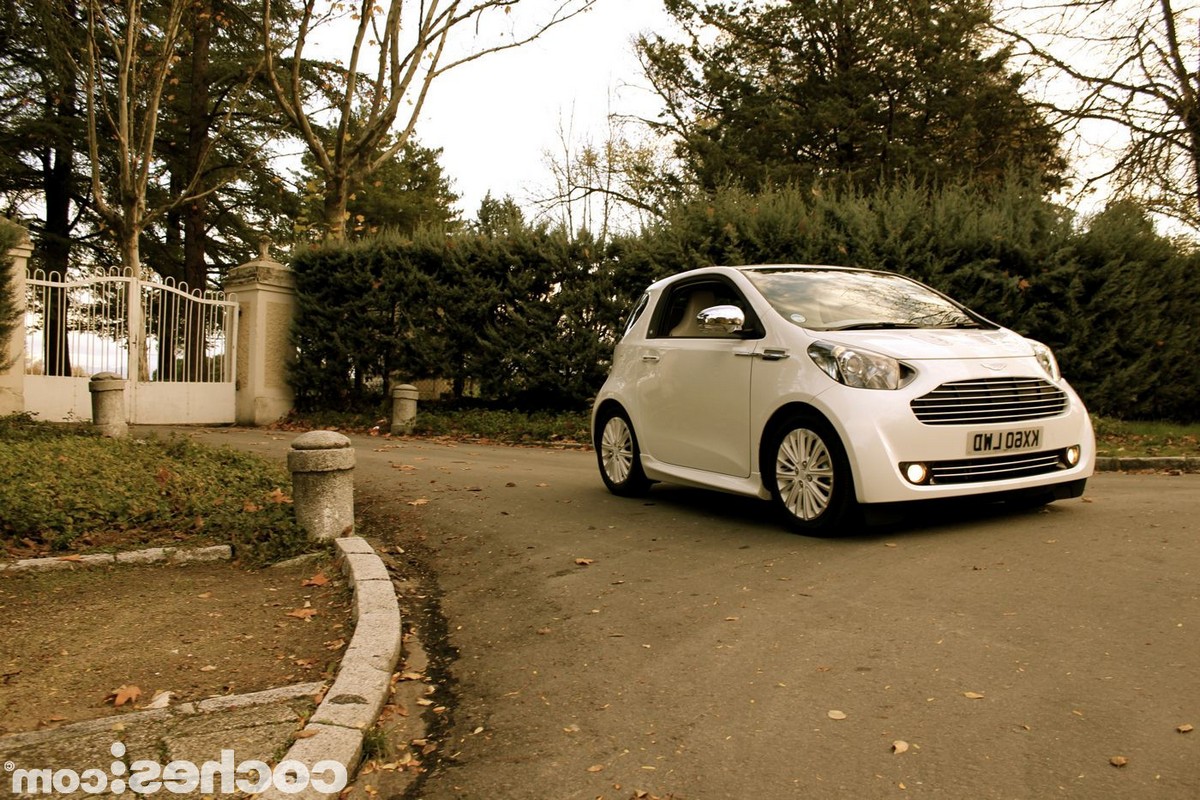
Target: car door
(694, 392)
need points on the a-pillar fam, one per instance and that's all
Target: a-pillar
(266, 295)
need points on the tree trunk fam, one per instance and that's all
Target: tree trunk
(58, 178)
(195, 212)
(336, 196)
(56, 256)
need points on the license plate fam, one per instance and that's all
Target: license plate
(997, 442)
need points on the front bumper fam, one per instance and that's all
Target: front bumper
(883, 436)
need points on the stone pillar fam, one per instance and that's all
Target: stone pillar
(322, 466)
(108, 404)
(265, 291)
(404, 408)
(12, 352)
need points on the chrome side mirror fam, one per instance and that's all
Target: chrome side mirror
(721, 319)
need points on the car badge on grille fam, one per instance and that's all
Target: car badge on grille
(995, 366)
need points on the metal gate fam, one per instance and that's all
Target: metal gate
(175, 348)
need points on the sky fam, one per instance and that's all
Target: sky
(496, 118)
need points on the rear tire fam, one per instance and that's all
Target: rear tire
(618, 455)
(809, 477)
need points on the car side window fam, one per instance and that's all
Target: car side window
(677, 319)
(636, 314)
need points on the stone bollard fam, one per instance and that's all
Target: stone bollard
(404, 408)
(322, 467)
(108, 404)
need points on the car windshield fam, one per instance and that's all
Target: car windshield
(839, 299)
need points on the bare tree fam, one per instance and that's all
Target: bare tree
(1121, 71)
(131, 51)
(406, 45)
(621, 183)
(122, 107)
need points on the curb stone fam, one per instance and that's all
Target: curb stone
(153, 555)
(352, 704)
(1132, 464)
(219, 703)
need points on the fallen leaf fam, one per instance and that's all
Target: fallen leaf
(418, 502)
(205, 595)
(74, 557)
(835, 714)
(305, 733)
(278, 496)
(1185, 728)
(1118, 761)
(305, 614)
(973, 695)
(336, 644)
(251, 508)
(411, 676)
(125, 693)
(585, 562)
(595, 768)
(160, 700)
(899, 746)
(316, 580)
(208, 668)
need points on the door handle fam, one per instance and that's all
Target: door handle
(650, 358)
(767, 354)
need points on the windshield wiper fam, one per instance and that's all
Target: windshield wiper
(880, 325)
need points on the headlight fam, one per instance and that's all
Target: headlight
(1046, 359)
(860, 369)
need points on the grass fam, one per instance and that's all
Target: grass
(67, 489)
(1115, 438)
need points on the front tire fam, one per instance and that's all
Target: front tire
(618, 455)
(809, 476)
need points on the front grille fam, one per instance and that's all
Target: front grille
(998, 468)
(990, 400)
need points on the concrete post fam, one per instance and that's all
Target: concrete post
(322, 466)
(108, 404)
(266, 294)
(12, 352)
(404, 408)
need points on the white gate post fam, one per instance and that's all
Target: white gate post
(266, 295)
(12, 352)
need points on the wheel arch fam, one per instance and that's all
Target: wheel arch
(765, 457)
(606, 406)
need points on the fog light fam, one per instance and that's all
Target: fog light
(1072, 455)
(916, 472)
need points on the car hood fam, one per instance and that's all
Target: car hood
(922, 345)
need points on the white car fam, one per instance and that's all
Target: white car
(831, 389)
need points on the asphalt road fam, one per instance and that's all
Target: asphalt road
(687, 646)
